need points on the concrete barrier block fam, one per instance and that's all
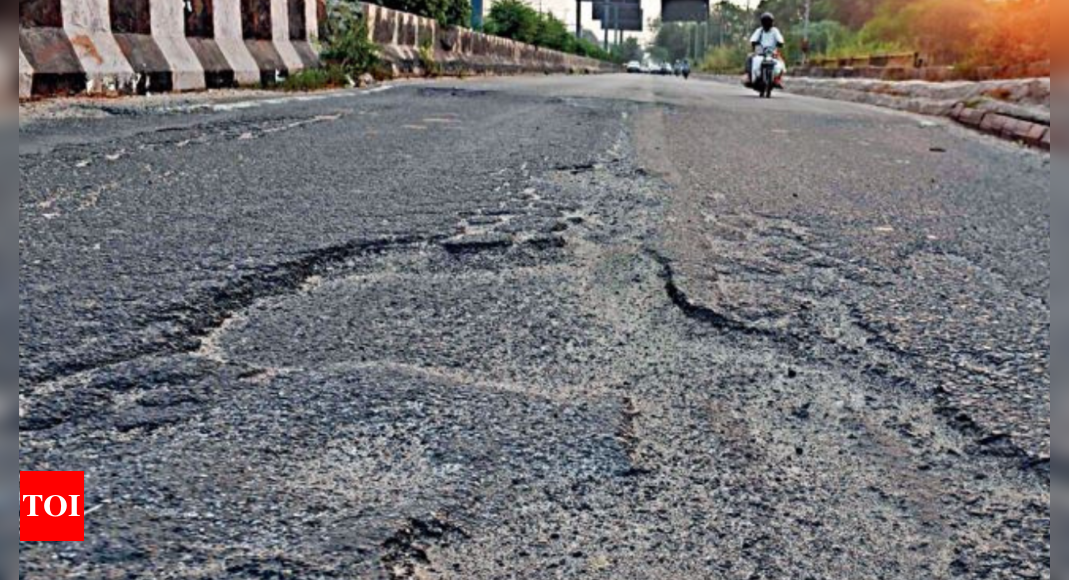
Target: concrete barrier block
(296, 14)
(407, 32)
(168, 28)
(230, 40)
(269, 62)
(106, 68)
(25, 77)
(88, 25)
(187, 71)
(383, 25)
(56, 68)
(308, 53)
(281, 36)
(424, 31)
(311, 21)
(151, 69)
(218, 73)
(449, 39)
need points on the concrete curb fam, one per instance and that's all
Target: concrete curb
(70, 47)
(1032, 134)
(907, 72)
(1022, 118)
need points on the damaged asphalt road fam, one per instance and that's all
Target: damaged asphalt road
(536, 328)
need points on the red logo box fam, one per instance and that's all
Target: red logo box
(52, 506)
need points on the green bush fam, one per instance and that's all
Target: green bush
(347, 43)
(513, 19)
(724, 60)
(427, 62)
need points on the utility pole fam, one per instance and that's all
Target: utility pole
(477, 14)
(805, 39)
(605, 23)
(578, 18)
(616, 21)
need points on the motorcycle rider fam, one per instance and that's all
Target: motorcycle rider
(768, 36)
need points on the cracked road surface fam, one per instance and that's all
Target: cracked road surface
(614, 327)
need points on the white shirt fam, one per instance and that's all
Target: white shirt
(771, 39)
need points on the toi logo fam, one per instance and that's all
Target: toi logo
(52, 506)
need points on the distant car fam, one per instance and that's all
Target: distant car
(666, 70)
(634, 67)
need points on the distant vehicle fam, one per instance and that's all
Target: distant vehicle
(666, 70)
(682, 68)
(634, 67)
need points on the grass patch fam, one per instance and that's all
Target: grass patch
(316, 79)
(427, 62)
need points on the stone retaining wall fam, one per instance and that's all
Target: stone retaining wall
(140, 46)
(461, 51)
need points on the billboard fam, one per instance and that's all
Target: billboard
(628, 7)
(684, 10)
(624, 15)
(629, 25)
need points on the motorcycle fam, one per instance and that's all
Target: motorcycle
(765, 81)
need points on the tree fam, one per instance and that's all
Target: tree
(516, 20)
(628, 51)
(827, 36)
(447, 12)
(730, 24)
(513, 19)
(553, 33)
(854, 13)
(671, 38)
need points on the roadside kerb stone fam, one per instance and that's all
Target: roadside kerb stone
(1016, 110)
(994, 123)
(970, 117)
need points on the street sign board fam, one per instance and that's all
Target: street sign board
(684, 10)
(635, 25)
(625, 6)
(624, 15)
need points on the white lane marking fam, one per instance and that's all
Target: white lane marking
(245, 105)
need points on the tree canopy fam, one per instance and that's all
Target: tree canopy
(447, 12)
(979, 32)
(517, 20)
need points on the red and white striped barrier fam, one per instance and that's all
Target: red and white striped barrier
(141, 46)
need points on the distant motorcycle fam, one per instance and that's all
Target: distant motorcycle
(765, 81)
(682, 69)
